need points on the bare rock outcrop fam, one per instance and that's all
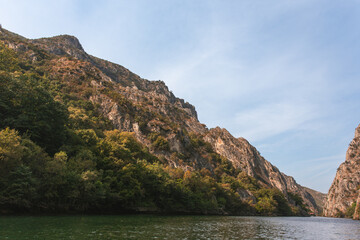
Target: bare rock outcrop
(345, 189)
(245, 156)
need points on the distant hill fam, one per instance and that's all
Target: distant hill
(319, 198)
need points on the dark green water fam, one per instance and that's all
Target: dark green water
(176, 227)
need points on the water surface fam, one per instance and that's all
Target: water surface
(176, 227)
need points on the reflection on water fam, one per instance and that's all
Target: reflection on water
(176, 227)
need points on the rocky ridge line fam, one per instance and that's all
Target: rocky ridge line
(245, 156)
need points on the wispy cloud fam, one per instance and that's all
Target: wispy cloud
(264, 121)
(336, 158)
(319, 173)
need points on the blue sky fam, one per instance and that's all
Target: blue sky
(283, 74)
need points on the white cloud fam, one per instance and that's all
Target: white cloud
(264, 121)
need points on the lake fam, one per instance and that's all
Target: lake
(176, 227)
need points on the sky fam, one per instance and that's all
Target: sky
(282, 74)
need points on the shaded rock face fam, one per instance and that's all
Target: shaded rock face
(319, 198)
(345, 189)
(245, 157)
(357, 209)
(154, 101)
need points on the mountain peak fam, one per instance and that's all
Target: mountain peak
(69, 41)
(357, 131)
(62, 45)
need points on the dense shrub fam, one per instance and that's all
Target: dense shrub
(351, 210)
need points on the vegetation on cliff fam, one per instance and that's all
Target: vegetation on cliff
(60, 153)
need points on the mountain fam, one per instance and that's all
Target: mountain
(343, 199)
(319, 198)
(245, 156)
(121, 142)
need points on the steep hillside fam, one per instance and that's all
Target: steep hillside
(344, 193)
(244, 156)
(319, 198)
(127, 140)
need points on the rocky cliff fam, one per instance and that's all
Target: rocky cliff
(166, 125)
(319, 198)
(245, 157)
(344, 193)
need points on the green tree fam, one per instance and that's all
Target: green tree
(8, 59)
(11, 151)
(21, 190)
(350, 210)
(161, 143)
(28, 107)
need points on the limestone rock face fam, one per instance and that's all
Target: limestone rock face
(345, 189)
(245, 157)
(147, 108)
